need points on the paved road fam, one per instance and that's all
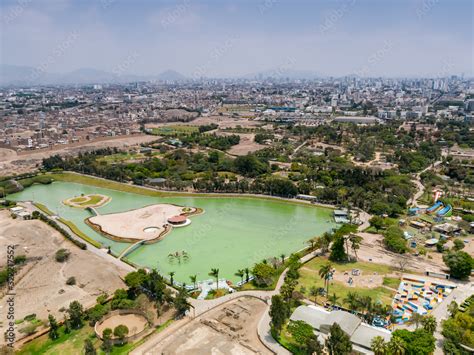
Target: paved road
(419, 186)
(97, 251)
(460, 294)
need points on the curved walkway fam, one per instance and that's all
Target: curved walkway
(200, 307)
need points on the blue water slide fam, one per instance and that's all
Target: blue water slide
(444, 211)
(433, 208)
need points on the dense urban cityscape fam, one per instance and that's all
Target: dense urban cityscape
(204, 210)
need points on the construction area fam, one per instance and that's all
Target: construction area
(41, 283)
(228, 329)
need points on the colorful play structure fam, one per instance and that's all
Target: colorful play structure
(440, 209)
(417, 295)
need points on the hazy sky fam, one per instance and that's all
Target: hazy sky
(229, 38)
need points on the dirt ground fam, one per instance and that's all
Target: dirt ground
(12, 162)
(222, 121)
(246, 144)
(40, 285)
(228, 329)
(372, 250)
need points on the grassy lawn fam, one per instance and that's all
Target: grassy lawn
(216, 293)
(43, 209)
(121, 157)
(73, 343)
(93, 200)
(78, 200)
(79, 233)
(310, 277)
(174, 130)
(392, 282)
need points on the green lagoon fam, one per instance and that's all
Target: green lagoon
(233, 233)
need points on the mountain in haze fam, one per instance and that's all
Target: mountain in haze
(170, 75)
(284, 72)
(23, 75)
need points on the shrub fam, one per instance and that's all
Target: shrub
(394, 240)
(62, 255)
(20, 259)
(71, 281)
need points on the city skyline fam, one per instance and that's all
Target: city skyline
(229, 39)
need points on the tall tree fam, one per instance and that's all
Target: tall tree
(352, 300)
(89, 348)
(121, 331)
(397, 346)
(338, 342)
(53, 327)
(193, 279)
(333, 299)
(325, 271)
(429, 324)
(279, 312)
(181, 303)
(215, 273)
(107, 340)
(171, 274)
(338, 252)
(355, 241)
(76, 314)
(240, 273)
(378, 345)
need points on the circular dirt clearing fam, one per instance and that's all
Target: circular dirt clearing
(151, 229)
(134, 322)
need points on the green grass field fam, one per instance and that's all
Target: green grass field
(79, 233)
(309, 277)
(93, 200)
(174, 130)
(43, 209)
(78, 200)
(73, 343)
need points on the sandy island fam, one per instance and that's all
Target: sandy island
(146, 223)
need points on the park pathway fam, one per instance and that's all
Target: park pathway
(201, 307)
(420, 188)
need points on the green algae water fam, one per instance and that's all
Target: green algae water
(233, 233)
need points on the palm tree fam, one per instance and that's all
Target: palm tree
(378, 345)
(247, 273)
(312, 243)
(352, 300)
(171, 273)
(429, 324)
(355, 241)
(397, 346)
(215, 273)
(193, 279)
(282, 257)
(325, 271)
(333, 299)
(313, 291)
(416, 319)
(240, 273)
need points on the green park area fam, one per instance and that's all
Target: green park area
(174, 130)
(380, 289)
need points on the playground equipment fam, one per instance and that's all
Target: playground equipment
(435, 207)
(445, 211)
(417, 295)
